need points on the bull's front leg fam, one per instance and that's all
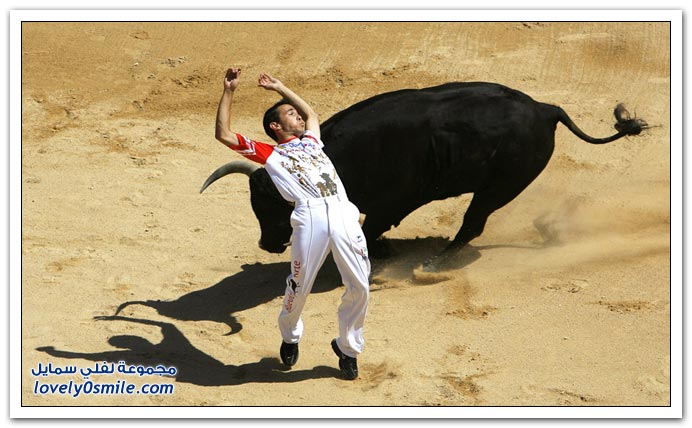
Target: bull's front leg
(378, 246)
(459, 252)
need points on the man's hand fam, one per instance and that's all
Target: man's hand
(232, 79)
(268, 82)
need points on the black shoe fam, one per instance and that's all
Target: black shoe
(348, 365)
(289, 353)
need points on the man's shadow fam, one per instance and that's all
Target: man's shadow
(192, 365)
(255, 285)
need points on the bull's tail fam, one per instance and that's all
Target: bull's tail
(625, 125)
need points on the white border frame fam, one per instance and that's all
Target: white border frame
(336, 15)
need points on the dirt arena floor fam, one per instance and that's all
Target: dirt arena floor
(567, 305)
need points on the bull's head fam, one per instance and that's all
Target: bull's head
(272, 211)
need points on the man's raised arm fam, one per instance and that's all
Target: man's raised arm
(223, 114)
(312, 121)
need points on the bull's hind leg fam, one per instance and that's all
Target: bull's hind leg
(476, 217)
(483, 204)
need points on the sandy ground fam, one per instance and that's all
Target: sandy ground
(117, 138)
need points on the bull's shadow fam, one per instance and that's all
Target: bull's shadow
(192, 365)
(411, 254)
(254, 285)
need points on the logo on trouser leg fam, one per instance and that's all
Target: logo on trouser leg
(363, 253)
(289, 302)
(296, 269)
(292, 284)
(291, 295)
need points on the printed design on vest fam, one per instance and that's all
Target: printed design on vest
(310, 166)
(328, 187)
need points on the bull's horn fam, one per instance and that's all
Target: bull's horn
(230, 168)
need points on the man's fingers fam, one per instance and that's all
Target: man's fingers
(232, 73)
(266, 81)
(263, 81)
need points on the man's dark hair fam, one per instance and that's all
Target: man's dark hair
(272, 115)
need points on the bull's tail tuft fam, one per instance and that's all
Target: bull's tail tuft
(627, 124)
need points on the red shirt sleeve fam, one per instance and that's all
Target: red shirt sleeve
(253, 150)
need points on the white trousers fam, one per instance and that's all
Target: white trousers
(320, 226)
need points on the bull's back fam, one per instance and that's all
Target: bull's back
(433, 143)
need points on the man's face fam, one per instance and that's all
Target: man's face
(290, 120)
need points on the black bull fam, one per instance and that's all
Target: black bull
(398, 151)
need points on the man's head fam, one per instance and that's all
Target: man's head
(282, 121)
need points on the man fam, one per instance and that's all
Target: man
(323, 219)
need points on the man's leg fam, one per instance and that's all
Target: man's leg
(309, 249)
(350, 252)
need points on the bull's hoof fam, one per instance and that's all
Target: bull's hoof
(435, 264)
(452, 258)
